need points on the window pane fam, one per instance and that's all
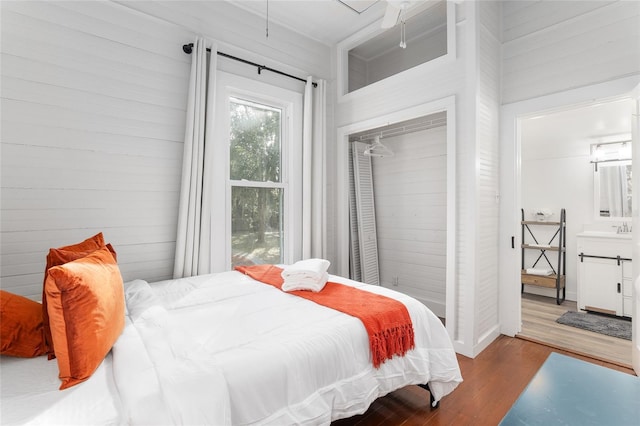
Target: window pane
(256, 225)
(255, 141)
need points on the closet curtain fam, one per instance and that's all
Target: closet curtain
(193, 240)
(313, 170)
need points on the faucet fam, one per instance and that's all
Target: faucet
(623, 229)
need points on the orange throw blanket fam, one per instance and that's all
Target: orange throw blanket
(386, 320)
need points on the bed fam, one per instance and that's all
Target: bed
(226, 349)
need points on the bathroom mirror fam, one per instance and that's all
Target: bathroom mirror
(613, 189)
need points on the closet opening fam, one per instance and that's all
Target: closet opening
(398, 214)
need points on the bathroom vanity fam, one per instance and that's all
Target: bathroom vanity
(604, 273)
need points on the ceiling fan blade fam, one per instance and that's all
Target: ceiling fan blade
(391, 16)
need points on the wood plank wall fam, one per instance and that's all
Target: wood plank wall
(93, 110)
(411, 214)
(419, 86)
(553, 46)
(488, 163)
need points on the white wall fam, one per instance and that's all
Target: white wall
(93, 105)
(472, 77)
(411, 215)
(418, 51)
(241, 33)
(93, 108)
(555, 55)
(557, 173)
(553, 46)
(487, 118)
(357, 73)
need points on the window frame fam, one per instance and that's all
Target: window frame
(233, 86)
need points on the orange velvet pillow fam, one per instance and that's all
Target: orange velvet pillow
(60, 256)
(85, 301)
(21, 326)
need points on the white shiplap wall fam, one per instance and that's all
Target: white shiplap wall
(553, 46)
(487, 171)
(411, 215)
(93, 108)
(476, 163)
(241, 33)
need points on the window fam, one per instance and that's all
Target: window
(257, 157)
(257, 190)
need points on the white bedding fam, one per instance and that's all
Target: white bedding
(30, 395)
(224, 349)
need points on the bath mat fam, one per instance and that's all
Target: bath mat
(603, 324)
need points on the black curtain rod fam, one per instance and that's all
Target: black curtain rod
(188, 48)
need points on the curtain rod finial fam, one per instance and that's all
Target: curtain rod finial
(187, 48)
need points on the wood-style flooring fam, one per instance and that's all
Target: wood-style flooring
(492, 383)
(539, 324)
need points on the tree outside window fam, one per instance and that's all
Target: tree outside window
(257, 190)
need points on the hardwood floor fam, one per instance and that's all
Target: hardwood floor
(539, 324)
(492, 383)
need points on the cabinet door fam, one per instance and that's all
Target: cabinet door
(599, 285)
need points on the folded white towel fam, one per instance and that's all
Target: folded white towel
(313, 268)
(309, 284)
(309, 274)
(538, 271)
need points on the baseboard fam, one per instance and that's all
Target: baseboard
(486, 339)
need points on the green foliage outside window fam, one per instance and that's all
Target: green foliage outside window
(255, 156)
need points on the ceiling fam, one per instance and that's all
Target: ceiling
(327, 21)
(575, 129)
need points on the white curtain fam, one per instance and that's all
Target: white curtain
(313, 170)
(193, 241)
(614, 186)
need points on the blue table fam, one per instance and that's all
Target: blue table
(569, 391)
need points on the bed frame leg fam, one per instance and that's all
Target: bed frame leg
(432, 400)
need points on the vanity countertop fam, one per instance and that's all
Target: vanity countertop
(606, 234)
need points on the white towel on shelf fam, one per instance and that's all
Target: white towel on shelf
(309, 274)
(538, 271)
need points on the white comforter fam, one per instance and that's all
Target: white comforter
(224, 349)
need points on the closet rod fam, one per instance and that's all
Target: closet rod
(188, 48)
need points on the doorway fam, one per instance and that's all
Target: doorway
(555, 173)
